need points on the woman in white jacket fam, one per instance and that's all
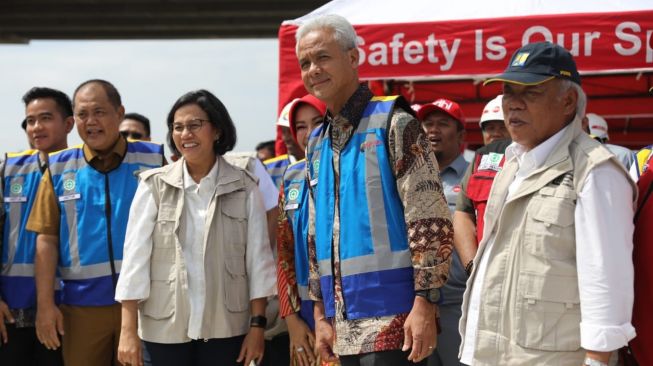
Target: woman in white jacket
(197, 265)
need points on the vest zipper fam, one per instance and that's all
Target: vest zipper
(107, 214)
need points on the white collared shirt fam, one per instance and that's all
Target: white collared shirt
(604, 231)
(134, 281)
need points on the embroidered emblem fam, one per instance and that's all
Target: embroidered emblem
(16, 188)
(293, 194)
(69, 184)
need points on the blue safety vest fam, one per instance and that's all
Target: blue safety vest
(20, 180)
(94, 211)
(276, 167)
(375, 261)
(296, 206)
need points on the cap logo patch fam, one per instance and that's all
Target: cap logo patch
(565, 73)
(443, 104)
(520, 59)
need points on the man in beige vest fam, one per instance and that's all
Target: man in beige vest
(553, 277)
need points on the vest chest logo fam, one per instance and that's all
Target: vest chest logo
(316, 169)
(491, 161)
(292, 200)
(16, 188)
(15, 191)
(69, 188)
(369, 145)
(69, 184)
(293, 194)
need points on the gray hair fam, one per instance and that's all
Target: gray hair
(343, 31)
(581, 103)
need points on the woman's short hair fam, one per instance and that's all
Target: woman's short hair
(218, 117)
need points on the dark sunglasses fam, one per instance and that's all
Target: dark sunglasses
(131, 135)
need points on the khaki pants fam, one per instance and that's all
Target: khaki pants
(91, 335)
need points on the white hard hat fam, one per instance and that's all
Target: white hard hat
(283, 120)
(598, 126)
(492, 111)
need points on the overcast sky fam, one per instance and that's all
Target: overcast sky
(150, 76)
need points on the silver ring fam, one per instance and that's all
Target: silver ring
(431, 347)
(300, 349)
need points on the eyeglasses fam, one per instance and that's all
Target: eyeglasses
(131, 135)
(193, 126)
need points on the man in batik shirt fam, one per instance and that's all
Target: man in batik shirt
(380, 233)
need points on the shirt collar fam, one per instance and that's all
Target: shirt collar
(189, 183)
(530, 160)
(459, 165)
(355, 106)
(119, 148)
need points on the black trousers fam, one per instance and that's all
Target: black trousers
(24, 349)
(277, 351)
(384, 358)
(212, 352)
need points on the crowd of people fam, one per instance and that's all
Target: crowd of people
(374, 240)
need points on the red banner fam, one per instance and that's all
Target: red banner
(600, 43)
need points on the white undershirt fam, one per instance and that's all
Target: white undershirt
(197, 197)
(604, 230)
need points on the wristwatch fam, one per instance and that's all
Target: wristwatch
(592, 362)
(431, 295)
(258, 321)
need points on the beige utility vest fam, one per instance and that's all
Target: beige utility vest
(276, 325)
(529, 303)
(164, 315)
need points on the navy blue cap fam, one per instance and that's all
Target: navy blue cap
(538, 62)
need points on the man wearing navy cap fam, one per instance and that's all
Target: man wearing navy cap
(552, 282)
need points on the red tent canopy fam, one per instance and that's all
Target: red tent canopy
(425, 51)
